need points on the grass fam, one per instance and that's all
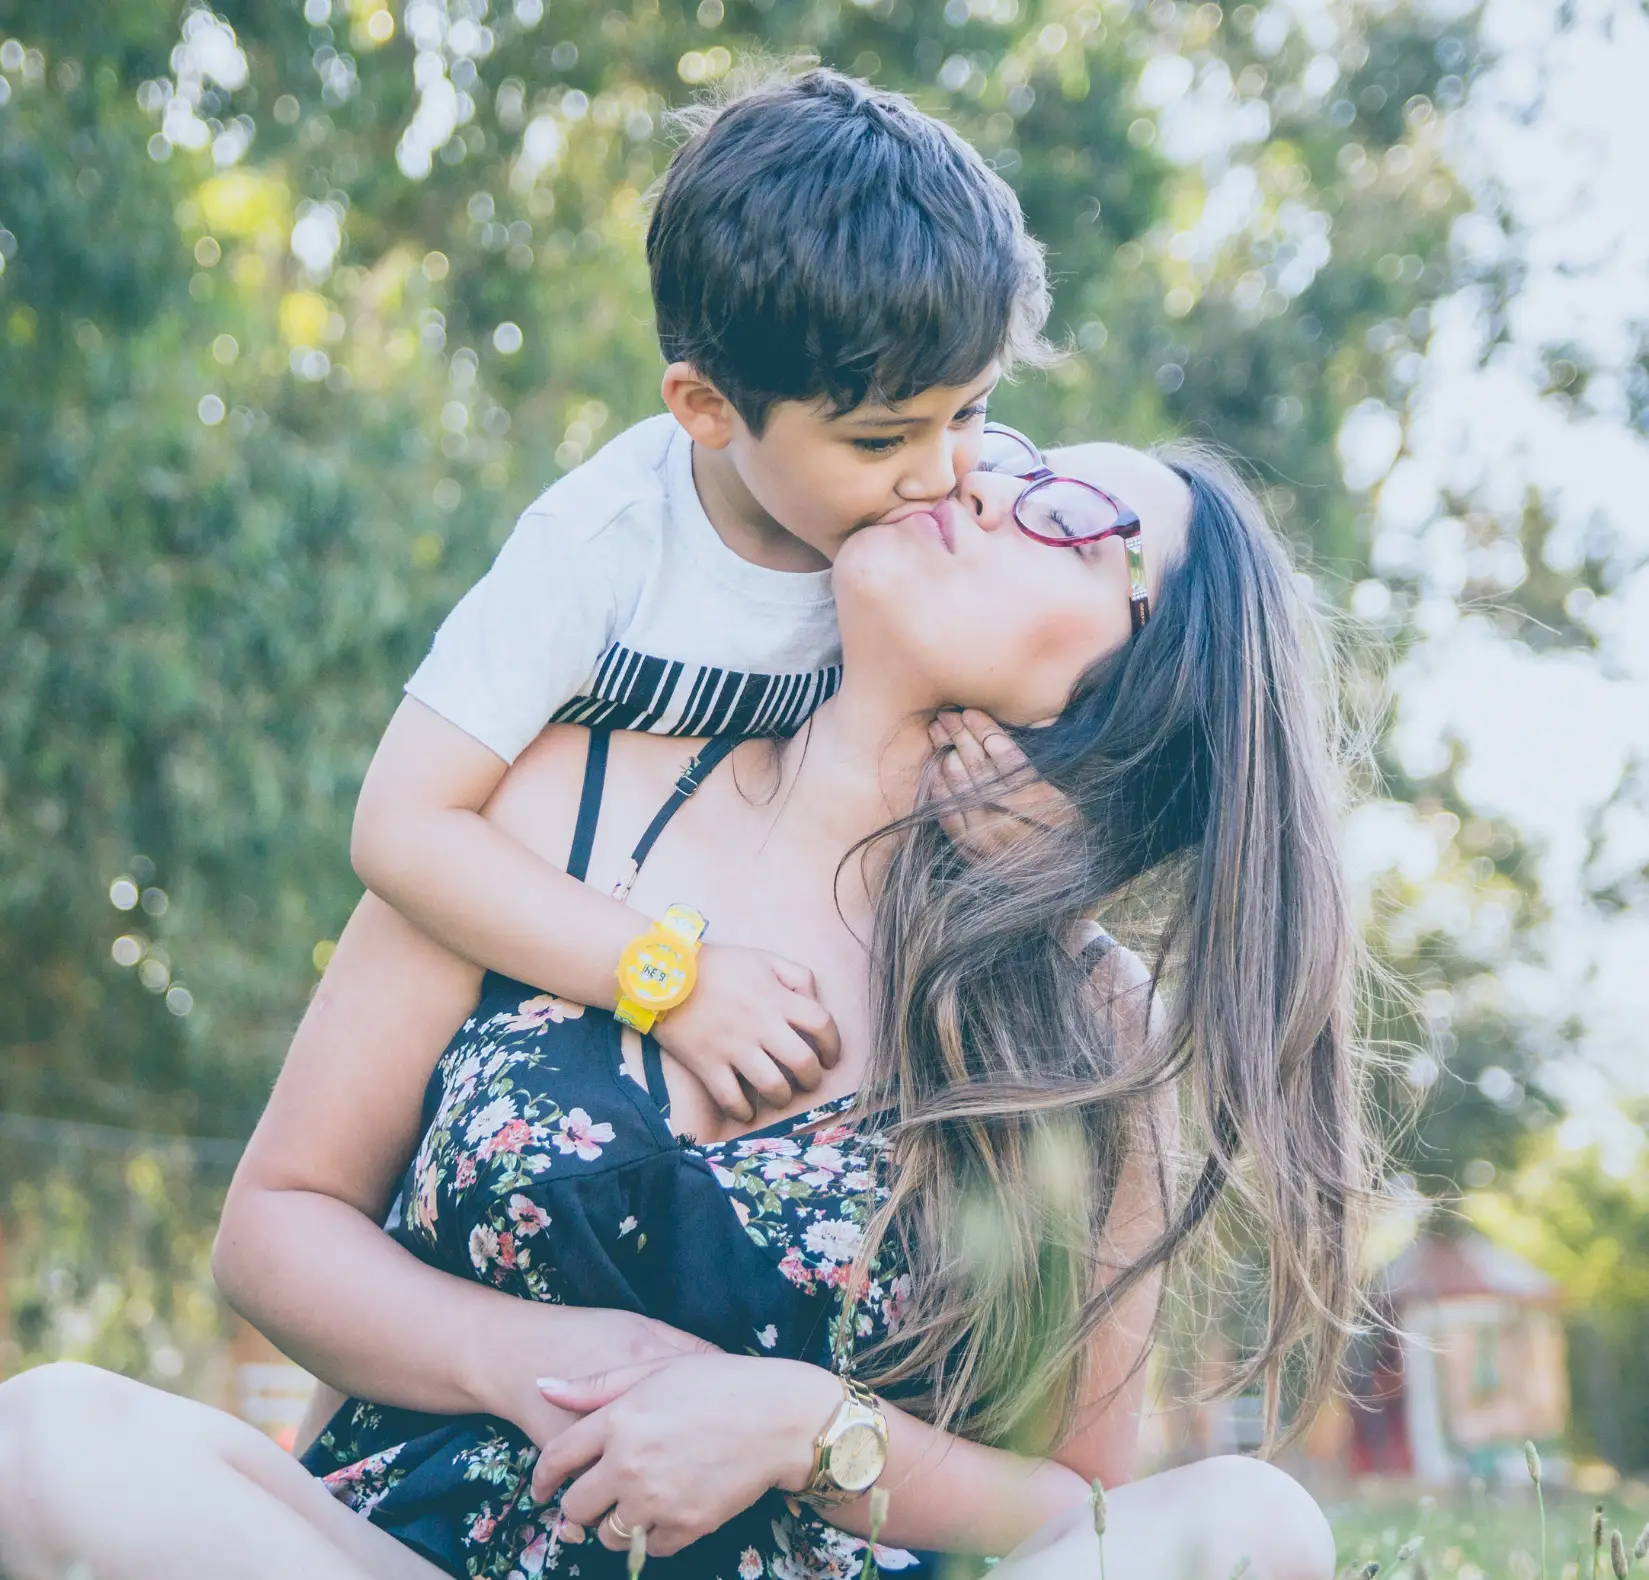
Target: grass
(1487, 1533)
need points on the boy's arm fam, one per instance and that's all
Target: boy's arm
(421, 843)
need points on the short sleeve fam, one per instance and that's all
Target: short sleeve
(523, 639)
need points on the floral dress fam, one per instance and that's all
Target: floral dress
(547, 1171)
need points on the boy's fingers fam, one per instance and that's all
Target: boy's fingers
(795, 977)
(797, 1057)
(818, 1026)
(770, 1082)
(729, 1096)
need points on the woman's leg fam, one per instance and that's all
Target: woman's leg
(105, 1479)
(1200, 1522)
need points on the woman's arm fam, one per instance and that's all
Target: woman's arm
(300, 1251)
(682, 1447)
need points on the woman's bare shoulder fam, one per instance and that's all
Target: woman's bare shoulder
(536, 802)
(1125, 991)
(1122, 986)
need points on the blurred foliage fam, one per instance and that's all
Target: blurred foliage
(301, 302)
(1586, 1226)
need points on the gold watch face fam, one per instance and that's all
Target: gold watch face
(857, 1457)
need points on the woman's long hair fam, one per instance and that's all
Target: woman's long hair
(1200, 762)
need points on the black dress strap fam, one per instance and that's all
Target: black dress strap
(589, 806)
(652, 1069)
(692, 776)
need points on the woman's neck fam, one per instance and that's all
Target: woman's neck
(856, 765)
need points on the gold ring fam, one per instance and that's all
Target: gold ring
(622, 1531)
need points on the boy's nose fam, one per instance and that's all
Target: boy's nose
(939, 467)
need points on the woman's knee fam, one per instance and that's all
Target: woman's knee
(62, 1419)
(1277, 1524)
(49, 1418)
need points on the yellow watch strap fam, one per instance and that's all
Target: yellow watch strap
(686, 923)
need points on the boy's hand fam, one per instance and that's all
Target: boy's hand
(977, 758)
(753, 1023)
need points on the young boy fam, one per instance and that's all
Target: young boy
(839, 280)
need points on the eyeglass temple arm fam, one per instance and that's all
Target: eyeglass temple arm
(1139, 592)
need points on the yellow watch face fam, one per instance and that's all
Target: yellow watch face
(857, 1457)
(657, 971)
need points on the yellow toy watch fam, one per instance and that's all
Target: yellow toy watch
(657, 971)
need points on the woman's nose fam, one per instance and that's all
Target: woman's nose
(989, 497)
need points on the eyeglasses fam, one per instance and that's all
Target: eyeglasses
(1065, 512)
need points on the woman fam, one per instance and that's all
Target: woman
(971, 1213)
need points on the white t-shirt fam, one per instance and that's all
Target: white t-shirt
(616, 604)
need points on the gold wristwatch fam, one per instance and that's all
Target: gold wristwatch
(657, 971)
(851, 1452)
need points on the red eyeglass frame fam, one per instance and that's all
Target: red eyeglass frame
(1127, 525)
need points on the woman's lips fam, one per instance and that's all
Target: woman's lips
(938, 517)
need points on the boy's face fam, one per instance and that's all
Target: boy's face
(821, 477)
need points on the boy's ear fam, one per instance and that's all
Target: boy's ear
(701, 408)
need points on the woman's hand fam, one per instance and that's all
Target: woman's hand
(542, 1339)
(977, 758)
(679, 1447)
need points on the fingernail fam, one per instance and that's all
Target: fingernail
(553, 1384)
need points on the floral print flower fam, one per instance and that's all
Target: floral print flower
(824, 1164)
(565, 1530)
(767, 1337)
(534, 1553)
(835, 1239)
(483, 1248)
(750, 1564)
(544, 1010)
(578, 1135)
(527, 1215)
(488, 1119)
(509, 1138)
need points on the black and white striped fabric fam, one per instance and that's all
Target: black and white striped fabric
(666, 696)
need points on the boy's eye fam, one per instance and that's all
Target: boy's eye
(969, 414)
(879, 446)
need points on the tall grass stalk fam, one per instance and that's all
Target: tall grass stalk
(1531, 1458)
(1099, 1522)
(878, 1518)
(1597, 1540)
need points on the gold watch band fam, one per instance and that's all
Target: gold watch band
(859, 1419)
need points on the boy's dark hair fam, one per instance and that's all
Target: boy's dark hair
(817, 238)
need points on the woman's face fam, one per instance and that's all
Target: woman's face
(965, 609)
